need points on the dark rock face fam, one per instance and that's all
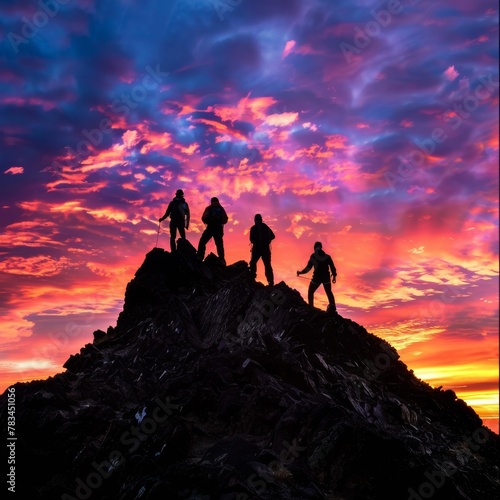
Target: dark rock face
(212, 386)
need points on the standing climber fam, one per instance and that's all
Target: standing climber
(322, 264)
(261, 236)
(178, 210)
(214, 217)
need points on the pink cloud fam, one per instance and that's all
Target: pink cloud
(451, 73)
(288, 48)
(46, 104)
(14, 170)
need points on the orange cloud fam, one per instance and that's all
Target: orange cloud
(220, 127)
(281, 119)
(247, 108)
(40, 265)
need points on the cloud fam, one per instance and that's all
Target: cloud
(451, 73)
(281, 119)
(14, 170)
(290, 44)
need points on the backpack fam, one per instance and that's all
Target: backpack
(178, 209)
(215, 214)
(261, 235)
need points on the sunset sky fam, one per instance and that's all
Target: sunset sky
(370, 126)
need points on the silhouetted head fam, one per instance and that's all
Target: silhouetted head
(257, 218)
(179, 192)
(318, 245)
(214, 200)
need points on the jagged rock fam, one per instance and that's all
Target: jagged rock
(212, 386)
(98, 335)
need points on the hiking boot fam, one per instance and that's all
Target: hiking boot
(331, 310)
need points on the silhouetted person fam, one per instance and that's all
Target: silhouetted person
(261, 236)
(214, 217)
(322, 264)
(178, 210)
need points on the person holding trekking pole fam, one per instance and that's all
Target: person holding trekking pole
(178, 210)
(322, 264)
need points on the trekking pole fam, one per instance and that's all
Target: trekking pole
(157, 234)
(304, 278)
(310, 279)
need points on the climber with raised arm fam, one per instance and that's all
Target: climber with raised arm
(322, 264)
